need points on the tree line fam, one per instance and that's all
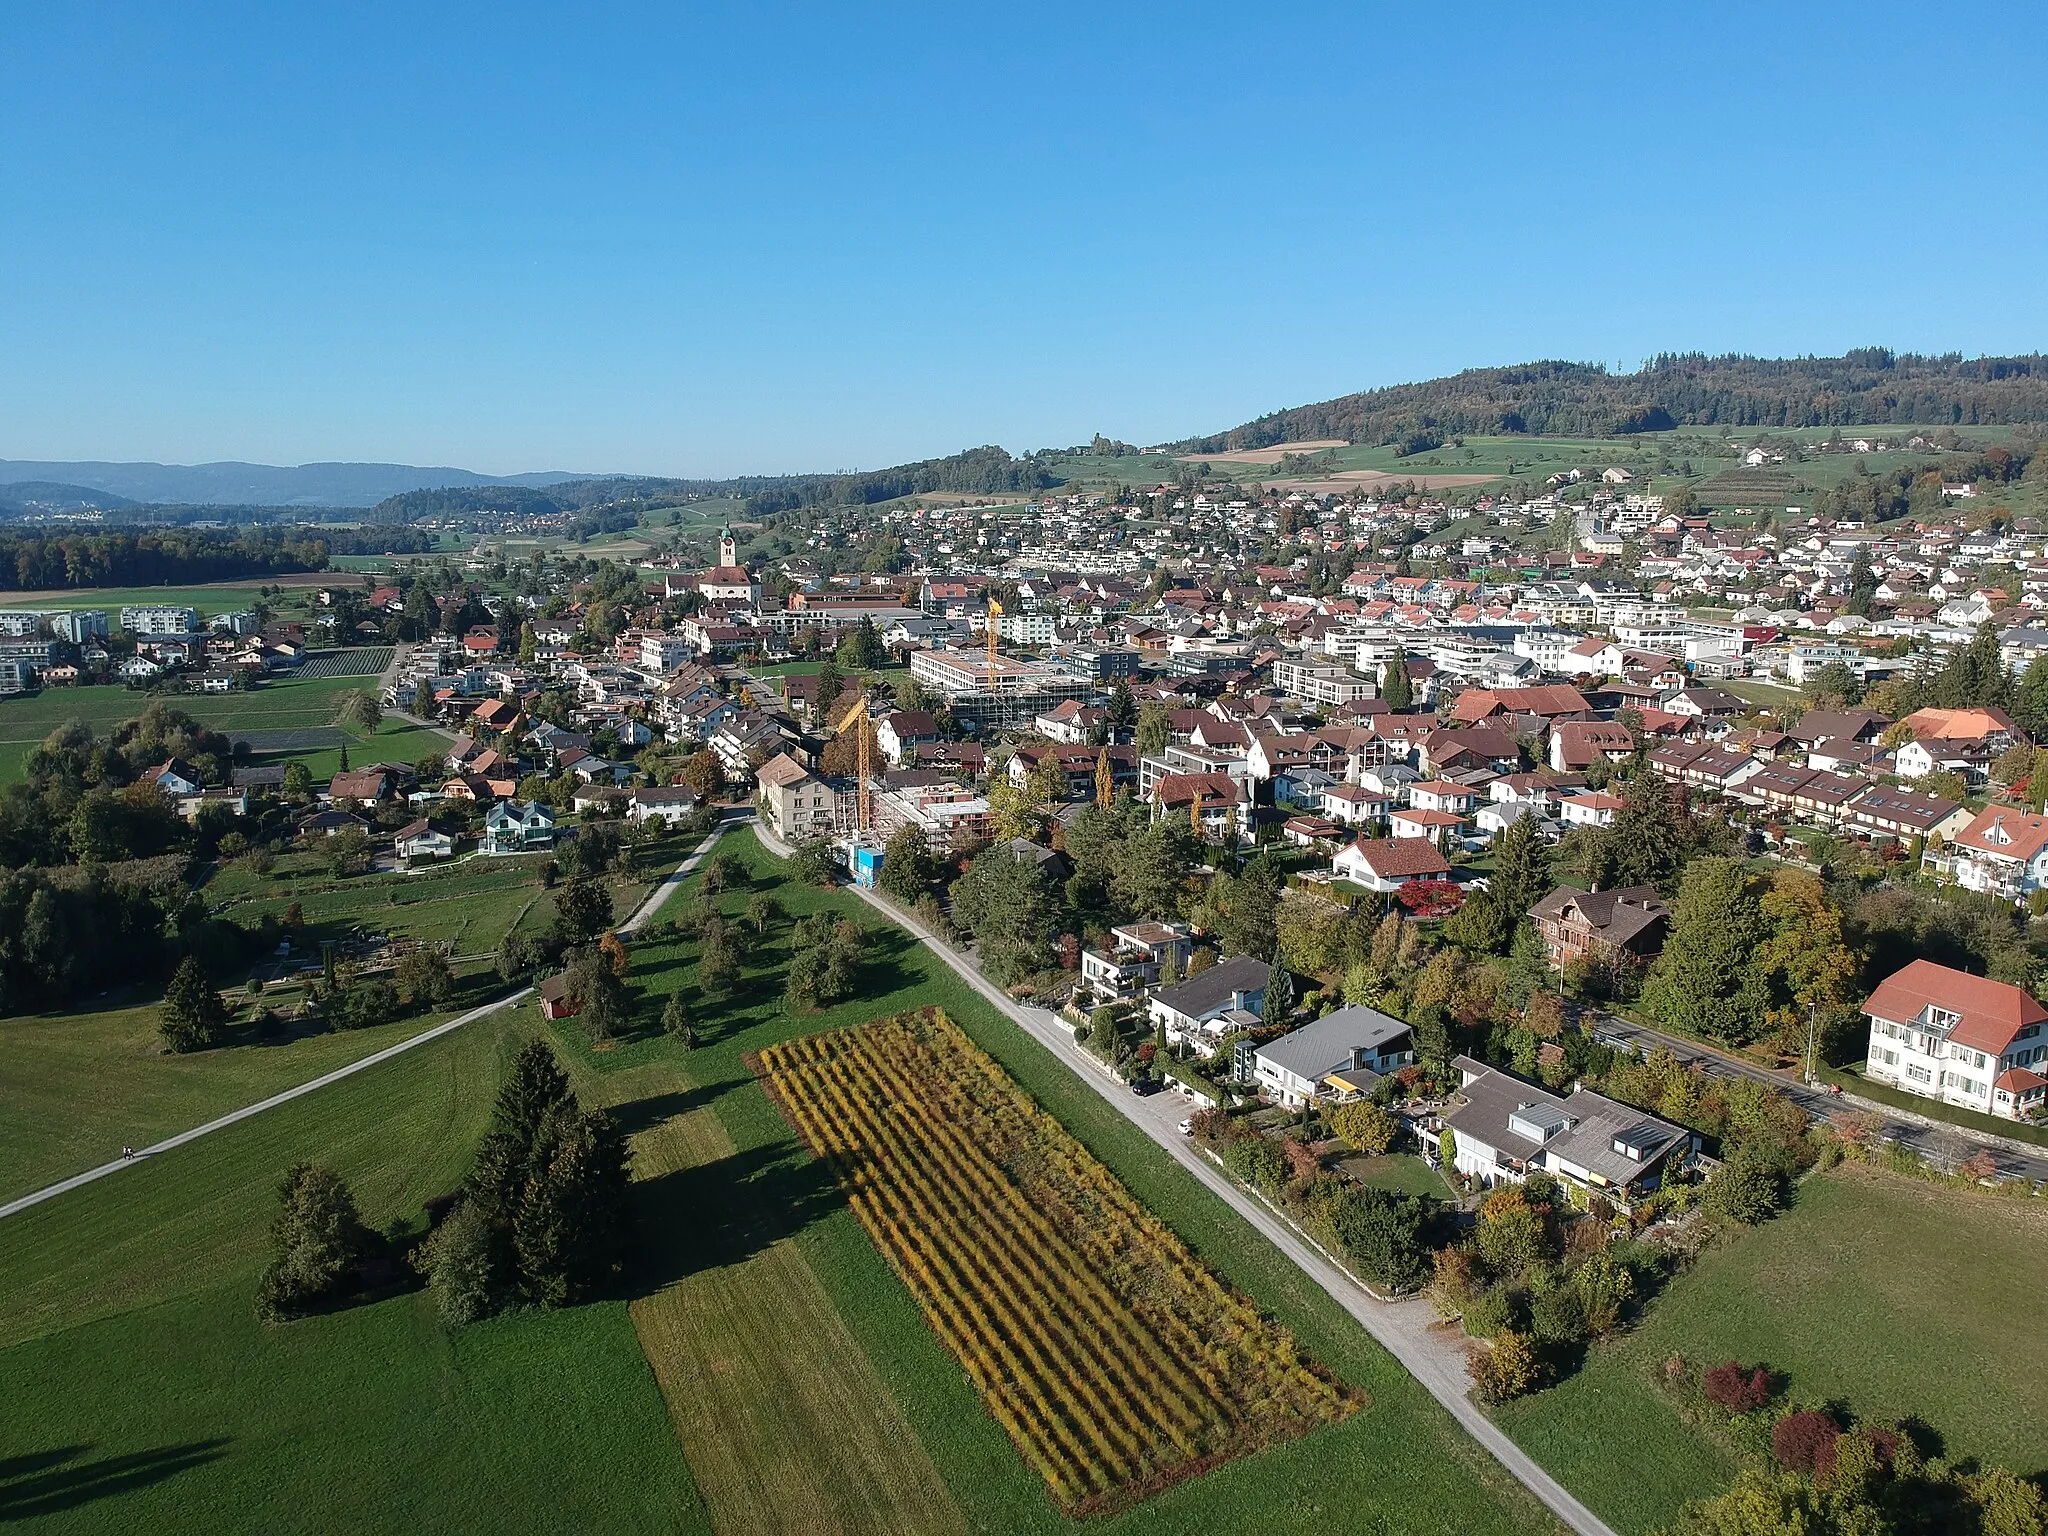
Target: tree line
(1867, 386)
(156, 557)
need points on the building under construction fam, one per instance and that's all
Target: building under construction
(998, 692)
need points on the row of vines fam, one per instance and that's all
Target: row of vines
(1113, 1358)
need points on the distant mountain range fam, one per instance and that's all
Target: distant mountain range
(232, 484)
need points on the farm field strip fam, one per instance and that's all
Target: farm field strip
(1113, 1359)
(355, 661)
(781, 1415)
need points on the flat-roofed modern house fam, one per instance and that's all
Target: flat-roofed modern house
(1505, 1129)
(1135, 958)
(1968, 1040)
(1202, 1010)
(1340, 1057)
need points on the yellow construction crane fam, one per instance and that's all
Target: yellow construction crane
(857, 717)
(995, 611)
(1105, 782)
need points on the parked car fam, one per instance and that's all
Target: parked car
(1187, 1127)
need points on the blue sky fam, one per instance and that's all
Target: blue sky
(692, 240)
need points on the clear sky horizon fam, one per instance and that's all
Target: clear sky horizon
(707, 241)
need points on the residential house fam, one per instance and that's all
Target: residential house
(1138, 954)
(672, 804)
(2002, 852)
(901, 731)
(1340, 1057)
(1603, 925)
(514, 826)
(1215, 802)
(1905, 814)
(1965, 1040)
(1202, 1010)
(1505, 1129)
(363, 786)
(1386, 864)
(800, 806)
(1589, 808)
(1437, 826)
(1576, 745)
(174, 776)
(418, 840)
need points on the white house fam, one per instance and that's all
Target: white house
(419, 840)
(2003, 852)
(1351, 805)
(1341, 1056)
(1205, 1008)
(1388, 863)
(514, 826)
(1591, 808)
(1966, 1040)
(673, 804)
(1137, 957)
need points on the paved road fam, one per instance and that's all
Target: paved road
(235, 1117)
(666, 888)
(653, 904)
(1433, 1355)
(1937, 1140)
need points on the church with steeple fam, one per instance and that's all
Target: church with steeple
(728, 581)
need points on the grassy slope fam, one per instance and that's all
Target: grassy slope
(138, 1372)
(1401, 1461)
(81, 1086)
(1894, 1296)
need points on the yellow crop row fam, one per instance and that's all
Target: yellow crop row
(1113, 1358)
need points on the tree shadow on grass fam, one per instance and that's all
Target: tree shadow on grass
(48, 1482)
(720, 1213)
(639, 1115)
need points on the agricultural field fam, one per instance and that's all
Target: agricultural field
(1110, 1356)
(209, 599)
(287, 704)
(1888, 1294)
(761, 1368)
(144, 1395)
(81, 1086)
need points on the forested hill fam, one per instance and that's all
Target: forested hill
(1869, 386)
(977, 471)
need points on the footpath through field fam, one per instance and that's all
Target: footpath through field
(1407, 1329)
(661, 893)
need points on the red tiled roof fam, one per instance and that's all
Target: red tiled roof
(1401, 857)
(2009, 833)
(1993, 1012)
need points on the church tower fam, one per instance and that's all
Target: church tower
(728, 548)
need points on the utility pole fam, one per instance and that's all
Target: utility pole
(1812, 1033)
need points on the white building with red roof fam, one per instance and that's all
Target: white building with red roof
(2003, 852)
(1966, 1040)
(1386, 864)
